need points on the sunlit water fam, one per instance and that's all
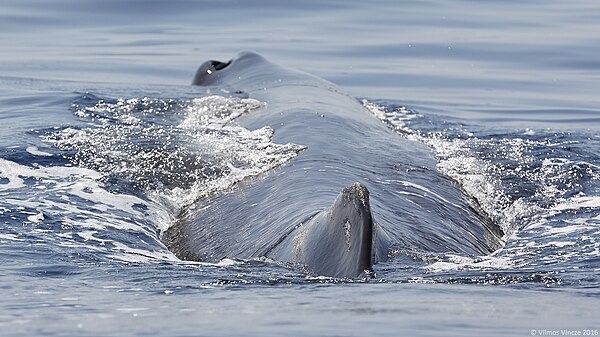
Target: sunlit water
(504, 94)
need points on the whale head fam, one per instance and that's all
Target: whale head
(212, 72)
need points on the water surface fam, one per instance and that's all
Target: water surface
(505, 94)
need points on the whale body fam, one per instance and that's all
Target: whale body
(356, 191)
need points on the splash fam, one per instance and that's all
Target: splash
(175, 151)
(542, 187)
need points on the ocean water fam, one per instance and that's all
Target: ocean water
(503, 94)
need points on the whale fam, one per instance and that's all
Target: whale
(358, 194)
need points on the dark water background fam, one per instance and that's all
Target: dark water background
(504, 93)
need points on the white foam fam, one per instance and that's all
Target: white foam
(95, 210)
(561, 244)
(15, 172)
(458, 262)
(567, 230)
(36, 152)
(36, 218)
(578, 202)
(89, 236)
(227, 263)
(396, 119)
(9, 237)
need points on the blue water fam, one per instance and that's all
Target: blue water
(504, 94)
